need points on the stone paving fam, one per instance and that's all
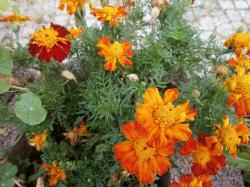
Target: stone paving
(220, 18)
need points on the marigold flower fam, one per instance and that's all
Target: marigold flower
(189, 180)
(109, 14)
(205, 160)
(75, 32)
(229, 136)
(78, 132)
(49, 43)
(239, 92)
(113, 52)
(142, 155)
(56, 173)
(71, 5)
(240, 62)
(39, 140)
(162, 118)
(14, 18)
(240, 42)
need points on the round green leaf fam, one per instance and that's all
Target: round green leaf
(4, 87)
(29, 109)
(7, 170)
(6, 63)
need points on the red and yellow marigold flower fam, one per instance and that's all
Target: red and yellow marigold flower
(142, 155)
(240, 42)
(75, 32)
(71, 5)
(56, 173)
(14, 18)
(115, 52)
(189, 180)
(229, 136)
(108, 14)
(205, 160)
(239, 92)
(162, 118)
(39, 140)
(52, 42)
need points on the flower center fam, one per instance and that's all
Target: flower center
(228, 136)
(195, 183)
(143, 151)
(165, 116)
(116, 49)
(47, 37)
(110, 12)
(201, 155)
(243, 86)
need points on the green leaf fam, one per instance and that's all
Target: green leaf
(247, 176)
(8, 182)
(7, 172)
(6, 63)
(29, 109)
(240, 162)
(4, 5)
(4, 87)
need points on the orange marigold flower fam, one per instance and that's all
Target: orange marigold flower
(205, 160)
(56, 173)
(78, 132)
(49, 43)
(162, 118)
(14, 18)
(75, 32)
(240, 42)
(113, 52)
(39, 140)
(229, 136)
(71, 5)
(109, 14)
(240, 62)
(189, 180)
(142, 155)
(239, 92)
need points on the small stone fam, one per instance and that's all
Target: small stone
(206, 23)
(218, 20)
(234, 15)
(189, 16)
(241, 4)
(225, 30)
(226, 4)
(198, 12)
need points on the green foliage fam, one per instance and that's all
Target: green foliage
(29, 109)
(7, 173)
(6, 63)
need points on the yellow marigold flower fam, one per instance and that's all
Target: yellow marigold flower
(109, 14)
(75, 32)
(56, 173)
(239, 92)
(229, 136)
(14, 18)
(71, 5)
(39, 140)
(77, 132)
(162, 118)
(113, 52)
(239, 42)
